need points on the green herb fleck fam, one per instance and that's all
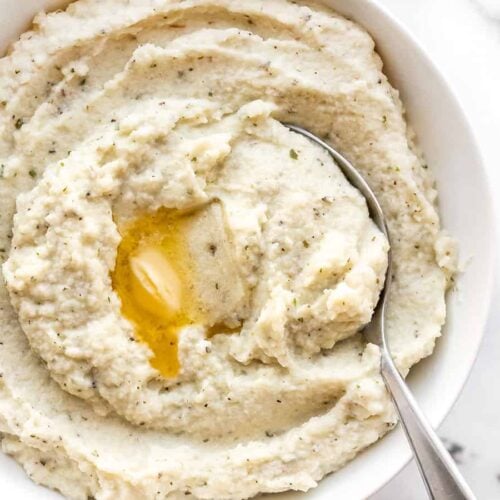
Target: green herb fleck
(293, 154)
(32, 173)
(19, 123)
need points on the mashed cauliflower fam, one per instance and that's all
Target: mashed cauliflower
(186, 278)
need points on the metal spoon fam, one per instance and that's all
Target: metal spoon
(440, 474)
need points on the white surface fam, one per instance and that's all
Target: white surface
(448, 148)
(464, 40)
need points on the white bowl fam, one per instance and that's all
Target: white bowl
(466, 210)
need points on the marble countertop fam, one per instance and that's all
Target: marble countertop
(463, 39)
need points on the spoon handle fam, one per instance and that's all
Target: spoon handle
(441, 476)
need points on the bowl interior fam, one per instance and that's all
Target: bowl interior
(450, 149)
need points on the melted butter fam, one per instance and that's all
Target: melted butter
(155, 285)
(152, 279)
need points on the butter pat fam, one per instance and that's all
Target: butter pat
(219, 289)
(155, 285)
(175, 269)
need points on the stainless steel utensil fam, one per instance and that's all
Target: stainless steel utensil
(440, 474)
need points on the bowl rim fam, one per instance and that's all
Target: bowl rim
(481, 172)
(403, 32)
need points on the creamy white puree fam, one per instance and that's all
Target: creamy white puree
(114, 109)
